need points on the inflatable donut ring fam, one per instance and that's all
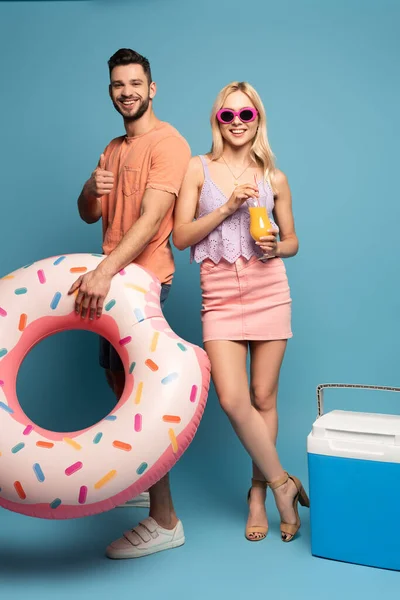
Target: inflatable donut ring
(67, 475)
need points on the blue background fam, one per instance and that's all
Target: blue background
(328, 74)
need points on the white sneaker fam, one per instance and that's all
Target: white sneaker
(146, 538)
(140, 501)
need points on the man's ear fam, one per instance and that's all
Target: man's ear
(153, 90)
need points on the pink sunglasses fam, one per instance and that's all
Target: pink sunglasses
(246, 115)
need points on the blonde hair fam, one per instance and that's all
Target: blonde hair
(260, 151)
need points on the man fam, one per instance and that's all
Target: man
(133, 189)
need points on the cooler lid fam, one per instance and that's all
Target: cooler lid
(371, 427)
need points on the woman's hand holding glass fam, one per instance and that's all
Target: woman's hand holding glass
(269, 244)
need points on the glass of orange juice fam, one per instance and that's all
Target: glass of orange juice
(260, 224)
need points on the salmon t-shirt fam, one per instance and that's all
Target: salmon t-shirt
(157, 159)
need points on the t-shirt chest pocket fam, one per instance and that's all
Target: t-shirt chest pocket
(130, 180)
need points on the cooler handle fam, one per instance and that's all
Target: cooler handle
(324, 386)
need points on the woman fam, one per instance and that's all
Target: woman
(246, 297)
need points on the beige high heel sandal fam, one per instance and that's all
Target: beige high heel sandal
(256, 529)
(301, 496)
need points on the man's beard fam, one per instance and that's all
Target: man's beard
(144, 105)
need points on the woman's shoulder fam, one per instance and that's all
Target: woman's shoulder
(197, 162)
(278, 178)
(195, 169)
(279, 184)
(200, 159)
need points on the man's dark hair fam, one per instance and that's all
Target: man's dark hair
(126, 56)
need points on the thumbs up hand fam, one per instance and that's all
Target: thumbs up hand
(101, 181)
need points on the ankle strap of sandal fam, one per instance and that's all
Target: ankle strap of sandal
(257, 483)
(278, 482)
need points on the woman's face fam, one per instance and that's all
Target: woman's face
(238, 133)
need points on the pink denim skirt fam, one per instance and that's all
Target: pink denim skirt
(246, 300)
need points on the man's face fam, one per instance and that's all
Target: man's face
(130, 91)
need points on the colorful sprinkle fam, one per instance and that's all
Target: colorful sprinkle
(193, 393)
(73, 468)
(17, 448)
(154, 342)
(59, 260)
(98, 255)
(3, 352)
(110, 305)
(20, 291)
(83, 494)
(3, 313)
(55, 301)
(1, 382)
(139, 315)
(37, 469)
(78, 270)
(152, 365)
(110, 418)
(182, 347)
(141, 468)
(131, 368)
(174, 441)
(72, 443)
(20, 490)
(122, 272)
(171, 419)
(8, 277)
(22, 322)
(28, 265)
(105, 479)
(122, 446)
(56, 503)
(169, 378)
(41, 276)
(138, 422)
(6, 408)
(47, 445)
(28, 429)
(97, 438)
(137, 288)
(139, 392)
(124, 341)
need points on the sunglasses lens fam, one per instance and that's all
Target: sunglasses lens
(247, 115)
(226, 116)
